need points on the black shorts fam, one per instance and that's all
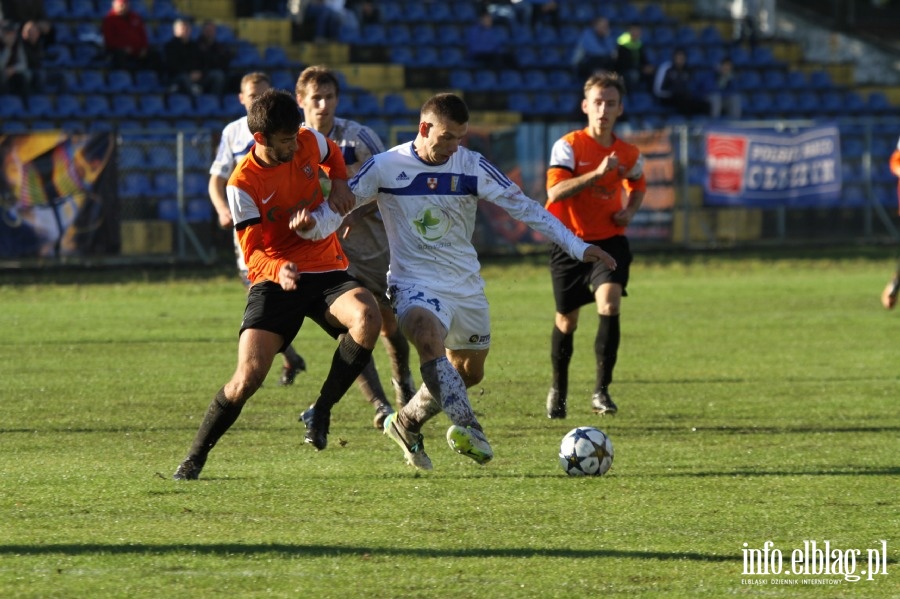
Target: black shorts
(271, 308)
(574, 282)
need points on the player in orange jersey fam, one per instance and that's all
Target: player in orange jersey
(889, 295)
(588, 170)
(292, 278)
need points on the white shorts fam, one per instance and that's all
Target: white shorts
(467, 318)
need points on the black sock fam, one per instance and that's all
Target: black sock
(561, 347)
(347, 363)
(219, 417)
(606, 350)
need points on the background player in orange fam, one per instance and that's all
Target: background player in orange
(889, 295)
(588, 170)
(293, 278)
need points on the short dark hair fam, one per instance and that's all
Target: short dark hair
(318, 74)
(603, 79)
(275, 111)
(448, 107)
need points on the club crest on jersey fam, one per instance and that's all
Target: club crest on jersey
(431, 182)
(308, 171)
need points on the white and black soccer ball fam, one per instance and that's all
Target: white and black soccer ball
(585, 451)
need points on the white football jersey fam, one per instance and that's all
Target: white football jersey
(236, 141)
(429, 214)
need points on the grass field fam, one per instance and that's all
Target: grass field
(758, 402)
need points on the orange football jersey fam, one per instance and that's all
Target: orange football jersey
(589, 212)
(263, 200)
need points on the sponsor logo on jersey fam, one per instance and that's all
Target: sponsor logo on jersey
(402, 177)
(266, 200)
(308, 171)
(432, 223)
(454, 183)
(480, 338)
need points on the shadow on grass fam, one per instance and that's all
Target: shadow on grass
(232, 549)
(863, 471)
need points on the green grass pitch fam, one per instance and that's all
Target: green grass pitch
(758, 402)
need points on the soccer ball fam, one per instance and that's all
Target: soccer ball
(585, 451)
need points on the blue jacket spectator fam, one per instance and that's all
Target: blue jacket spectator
(595, 50)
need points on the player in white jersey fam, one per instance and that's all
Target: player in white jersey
(428, 192)
(364, 240)
(235, 143)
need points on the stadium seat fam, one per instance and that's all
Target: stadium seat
(199, 210)
(83, 10)
(40, 106)
(90, 81)
(398, 34)
(510, 80)
(275, 57)
(95, 106)
(124, 107)
(147, 81)
(68, 106)
(58, 56)
(207, 106)
(450, 34)
(373, 34)
(134, 185)
(119, 81)
(710, 36)
(150, 106)
(796, 80)
(520, 102)
(402, 55)
(161, 157)
(461, 79)
(535, 80)
(367, 105)
(56, 10)
(197, 185)
(395, 106)
(820, 80)
(179, 105)
(652, 15)
(167, 208)
(164, 184)
(427, 56)
(131, 157)
(423, 34)
(283, 79)
(11, 107)
(878, 103)
(164, 10)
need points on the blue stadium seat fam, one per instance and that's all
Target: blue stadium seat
(40, 106)
(11, 107)
(653, 15)
(367, 105)
(398, 34)
(510, 80)
(131, 157)
(90, 81)
(247, 57)
(878, 103)
(167, 208)
(119, 81)
(535, 80)
(402, 55)
(710, 36)
(395, 106)
(87, 55)
(427, 56)
(56, 10)
(164, 184)
(520, 102)
(199, 210)
(423, 34)
(96, 106)
(440, 12)
(807, 103)
(373, 34)
(146, 81)
(68, 106)
(414, 12)
(58, 56)
(450, 34)
(83, 10)
(134, 185)
(124, 107)
(274, 57)
(854, 104)
(784, 102)
(179, 105)
(196, 184)
(820, 80)
(231, 108)
(209, 105)
(461, 79)
(164, 10)
(150, 106)
(161, 157)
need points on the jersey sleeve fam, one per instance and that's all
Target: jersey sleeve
(562, 163)
(224, 162)
(247, 225)
(497, 188)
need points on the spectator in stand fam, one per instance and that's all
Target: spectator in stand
(367, 11)
(676, 86)
(22, 11)
(595, 49)
(185, 65)
(545, 12)
(125, 39)
(33, 46)
(485, 43)
(15, 78)
(215, 55)
(633, 61)
(325, 21)
(724, 98)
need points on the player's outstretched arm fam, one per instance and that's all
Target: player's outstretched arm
(889, 295)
